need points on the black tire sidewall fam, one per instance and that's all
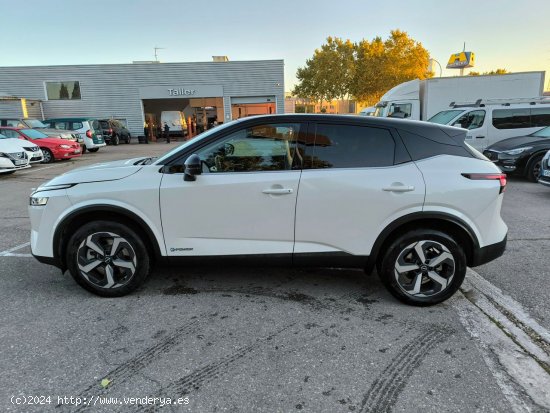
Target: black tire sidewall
(387, 268)
(530, 175)
(142, 257)
(93, 150)
(115, 140)
(47, 151)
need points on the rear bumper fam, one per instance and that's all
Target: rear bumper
(488, 253)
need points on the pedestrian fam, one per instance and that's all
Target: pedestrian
(167, 132)
(146, 132)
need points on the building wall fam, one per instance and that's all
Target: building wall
(112, 90)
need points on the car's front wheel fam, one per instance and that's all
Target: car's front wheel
(423, 267)
(533, 168)
(48, 156)
(107, 258)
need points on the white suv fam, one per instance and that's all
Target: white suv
(408, 198)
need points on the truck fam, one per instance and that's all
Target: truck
(421, 99)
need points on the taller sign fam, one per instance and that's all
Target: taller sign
(180, 91)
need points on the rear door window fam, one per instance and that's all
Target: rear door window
(540, 117)
(76, 125)
(512, 118)
(348, 146)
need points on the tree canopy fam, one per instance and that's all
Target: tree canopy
(492, 72)
(364, 70)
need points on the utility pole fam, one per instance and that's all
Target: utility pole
(156, 56)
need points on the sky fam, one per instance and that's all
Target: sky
(509, 34)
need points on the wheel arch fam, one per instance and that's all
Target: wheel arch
(86, 214)
(440, 221)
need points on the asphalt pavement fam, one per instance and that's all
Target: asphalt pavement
(272, 340)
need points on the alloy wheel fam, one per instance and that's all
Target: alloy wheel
(424, 268)
(536, 169)
(106, 260)
(47, 156)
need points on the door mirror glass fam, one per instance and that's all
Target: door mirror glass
(193, 168)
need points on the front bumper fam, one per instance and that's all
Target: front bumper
(67, 153)
(545, 180)
(488, 253)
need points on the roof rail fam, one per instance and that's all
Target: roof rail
(502, 102)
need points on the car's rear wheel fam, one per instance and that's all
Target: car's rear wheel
(423, 267)
(107, 258)
(533, 168)
(128, 138)
(48, 156)
(93, 150)
(115, 140)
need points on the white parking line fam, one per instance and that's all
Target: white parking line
(37, 170)
(8, 253)
(514, 346)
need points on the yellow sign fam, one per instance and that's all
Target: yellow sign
(461, 60)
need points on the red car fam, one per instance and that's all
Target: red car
(52, 148)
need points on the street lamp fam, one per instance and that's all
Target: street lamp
(439, 64)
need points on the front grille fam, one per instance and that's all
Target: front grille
(17, 155)
(32, 148)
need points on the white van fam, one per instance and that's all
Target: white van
(175, 120)
(491, 121)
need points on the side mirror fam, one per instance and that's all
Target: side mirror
(193, 167)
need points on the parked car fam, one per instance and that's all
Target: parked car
(521, 155)
(87, 129)
(114, 131)
(407, 197)
(544, 177)
(38, 124)
(52, 148)
(34, 153)
(12, 157)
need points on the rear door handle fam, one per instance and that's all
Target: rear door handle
(278, 191)
(398, 188)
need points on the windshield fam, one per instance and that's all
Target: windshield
(445, 116)
(192, 141)
(34, 123)
(33, 134)
(543, 133)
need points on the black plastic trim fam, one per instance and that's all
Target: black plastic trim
(488, 253)
(410, 218)
(100, 208)
(49, 261)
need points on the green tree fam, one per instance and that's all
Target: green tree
(364, 70)
(329, 73)
(383, 64)
(76, 90)
(63, 92)
(492, 72)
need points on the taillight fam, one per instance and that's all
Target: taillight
(489, 176)
(110, 131)
(89, 133)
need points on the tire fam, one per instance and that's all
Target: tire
(48, 156)
(93, 150)
(97, 268)
(533, 169)
(115, 140)
(84, 149)
(436, 284)
(7, 173)
(128, 138)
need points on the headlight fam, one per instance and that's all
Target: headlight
(65, 146)
(517, 151)
(38, 200)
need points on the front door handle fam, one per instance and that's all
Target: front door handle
(278, 191)
(480, 137)
(398, 188)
